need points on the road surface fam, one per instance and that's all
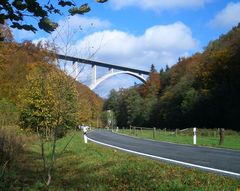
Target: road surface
(222, 161)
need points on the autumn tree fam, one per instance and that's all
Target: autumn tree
(49, 107)
(152, 85)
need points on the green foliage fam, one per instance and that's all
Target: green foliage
(81, 10)
(49, 107)
(108, 119)
(7, 176)
(47, 25)
(189, 100)
(49, 101)
(202, 90)
(134, 107)
(8, 113)
(16, 11)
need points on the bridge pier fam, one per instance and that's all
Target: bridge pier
(110, 70)
(94, 74)
(75, 69)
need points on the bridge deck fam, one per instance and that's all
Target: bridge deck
(101, 64)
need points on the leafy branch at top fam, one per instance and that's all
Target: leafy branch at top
(16, 11)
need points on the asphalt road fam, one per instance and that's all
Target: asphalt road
(217, 160)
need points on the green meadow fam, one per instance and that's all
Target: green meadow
(92, 167)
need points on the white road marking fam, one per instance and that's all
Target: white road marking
(169, 160)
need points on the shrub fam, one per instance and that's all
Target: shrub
(8, 113)
(11, 144)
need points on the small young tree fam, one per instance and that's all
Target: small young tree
(49, 107)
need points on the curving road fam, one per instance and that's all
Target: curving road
(221, 161)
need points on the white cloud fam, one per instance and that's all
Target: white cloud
(159, 45)
(228, 17)
(158, 4)
(71, 29)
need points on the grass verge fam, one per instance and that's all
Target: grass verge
(93, 167)
(205, 138)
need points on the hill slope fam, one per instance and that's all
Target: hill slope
(18, 60)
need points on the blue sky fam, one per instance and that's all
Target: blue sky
(138, 33)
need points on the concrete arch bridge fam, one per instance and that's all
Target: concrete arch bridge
(139, 74)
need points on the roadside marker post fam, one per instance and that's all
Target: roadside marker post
(154, 132)
(194, 135)
(85, 133)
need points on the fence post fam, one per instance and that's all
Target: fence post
(194, 135)
(176, 132)
(154, 132)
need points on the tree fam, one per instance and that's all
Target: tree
(112, 102)
(49, 106)
(152, 85)
(148, 104)
(16, 12)
(134, 104)
(153, 69)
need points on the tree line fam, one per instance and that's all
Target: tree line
(200, 91)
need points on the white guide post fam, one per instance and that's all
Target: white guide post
(94, 74)
(85, 133)
(194, 135)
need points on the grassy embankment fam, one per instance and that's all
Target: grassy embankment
(93, 167)
(204, 137)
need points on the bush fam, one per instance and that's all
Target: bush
(8, 113)
(11, 144)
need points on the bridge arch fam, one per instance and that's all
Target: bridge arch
(109, 75)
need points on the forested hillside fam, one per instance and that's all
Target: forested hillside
(23, 64)
(202, 90)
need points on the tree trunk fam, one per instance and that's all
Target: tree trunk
(43, 154)
(50, 167)
(221, 132)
